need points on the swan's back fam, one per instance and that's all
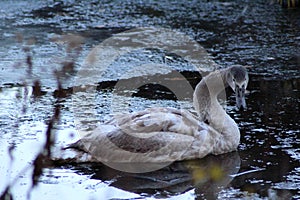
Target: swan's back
(158, 120)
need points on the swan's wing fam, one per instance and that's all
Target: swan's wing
(152, 135)
(159, 120)
(117, 146)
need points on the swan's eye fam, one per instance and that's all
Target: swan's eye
(233, 79)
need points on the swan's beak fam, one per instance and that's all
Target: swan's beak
(240, 97)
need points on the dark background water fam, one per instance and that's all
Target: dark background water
(256, 33)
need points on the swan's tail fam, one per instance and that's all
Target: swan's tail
(78, 146)
(73, 153)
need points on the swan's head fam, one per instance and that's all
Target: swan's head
(237, 78)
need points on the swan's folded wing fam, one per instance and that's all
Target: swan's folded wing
(159, 120)
(117, 146)
(152, 135)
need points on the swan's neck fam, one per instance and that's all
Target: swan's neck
(210, 110)
(206, 93)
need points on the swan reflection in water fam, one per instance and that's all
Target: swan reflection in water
(208, 176)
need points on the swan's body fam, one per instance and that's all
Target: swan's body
(168, 134)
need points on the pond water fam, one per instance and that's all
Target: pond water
(256, 33)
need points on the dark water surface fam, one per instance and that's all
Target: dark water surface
(256, 33)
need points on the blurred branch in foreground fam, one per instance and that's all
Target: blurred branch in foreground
(43, 159)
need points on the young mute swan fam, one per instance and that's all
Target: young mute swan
(169, 134)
